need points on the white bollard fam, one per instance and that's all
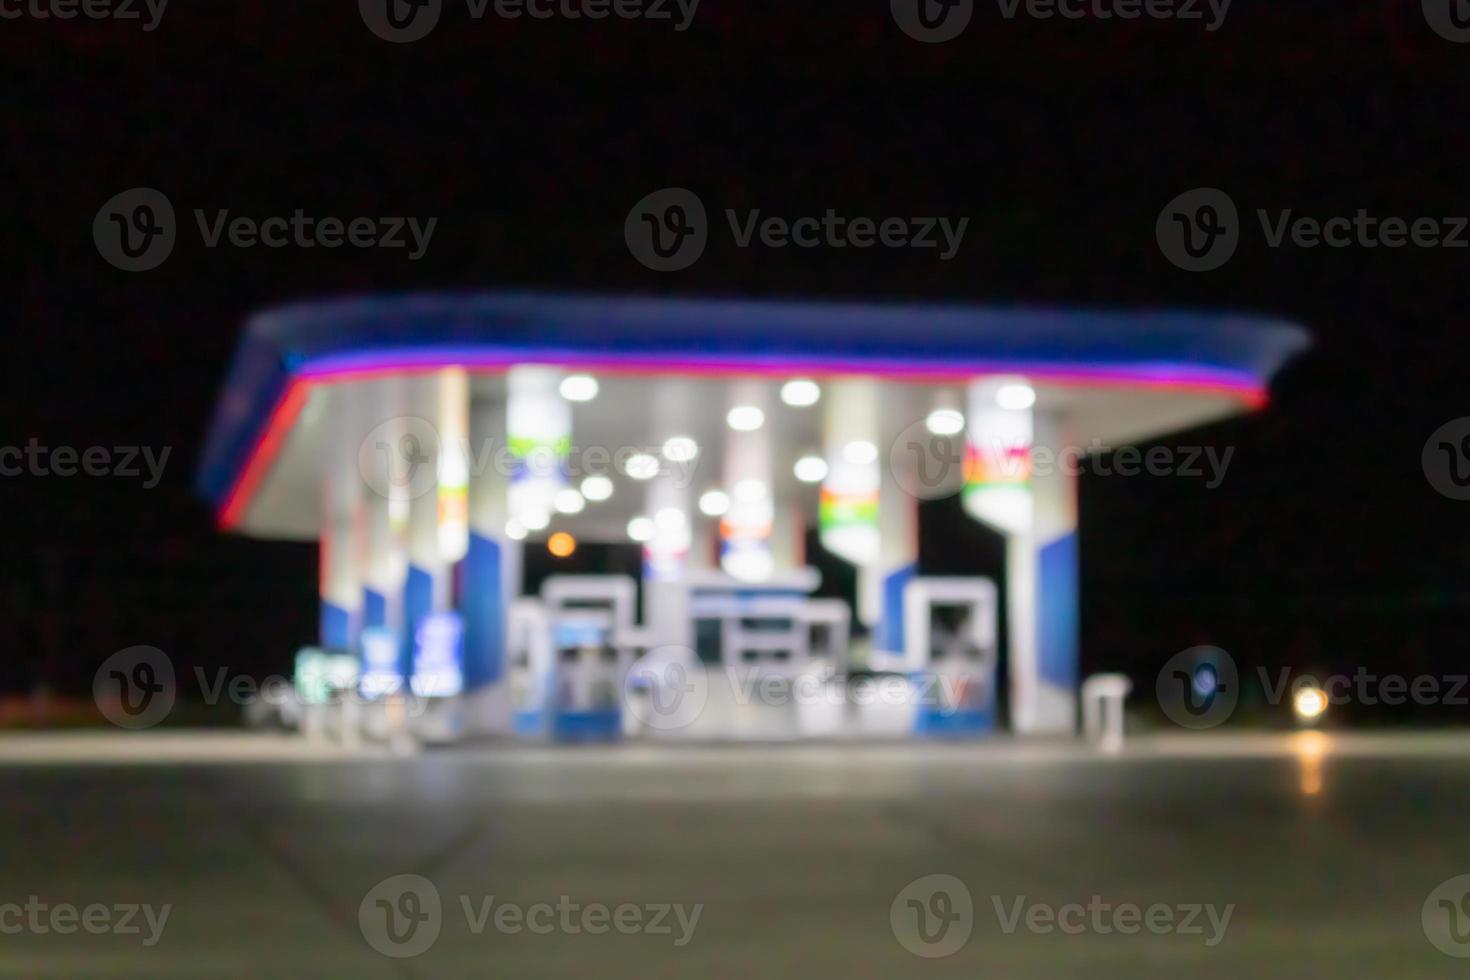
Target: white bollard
(314, 723)
(401, 739)
(1102, 709)
(350, 715)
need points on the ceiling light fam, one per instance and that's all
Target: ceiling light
(745, 418)
(568, 501)
(680, 449)
(641, 466)
(578, 387)
(1015, 397)
(860, 453)
(800, 393)
(749, 491)
(597, 488)
(945, 422)
(810, 469)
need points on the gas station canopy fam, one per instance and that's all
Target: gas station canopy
(1115, 375)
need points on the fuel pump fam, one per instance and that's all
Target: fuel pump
(950, 654)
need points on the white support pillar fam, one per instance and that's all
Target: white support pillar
(437, 522)
(453, 419)
(342, 520)
(388, 447)
(1036, 509)
(382, 576)
(489, 503)
(1049, 701)
(898, 526)
(705, 547)
(848, 511)
(666, 554)
(427, 589)
(539, 436)
(788, 537)
(492, 575)
(745, 532)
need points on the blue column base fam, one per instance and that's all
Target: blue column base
(482, 605)
(603, 725)
(961, 723)
(335, 628)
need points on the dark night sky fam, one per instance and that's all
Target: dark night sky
(1325, 546)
